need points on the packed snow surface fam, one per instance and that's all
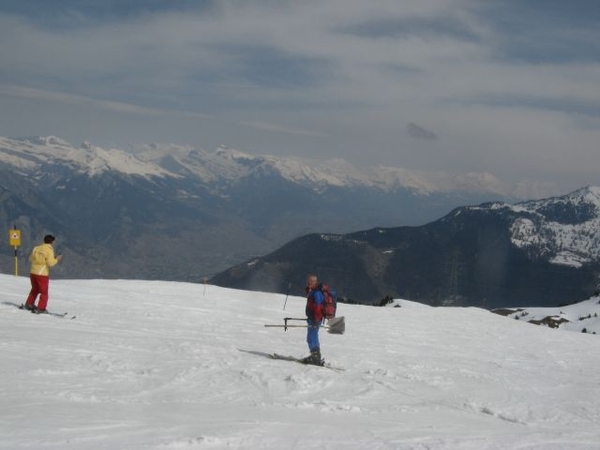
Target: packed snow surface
(165, 365)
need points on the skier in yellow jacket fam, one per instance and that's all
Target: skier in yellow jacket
(42, 259)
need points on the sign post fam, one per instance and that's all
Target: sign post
(14, 239)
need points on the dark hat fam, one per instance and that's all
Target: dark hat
(48, 239)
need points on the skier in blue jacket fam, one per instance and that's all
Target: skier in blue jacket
(314, 318)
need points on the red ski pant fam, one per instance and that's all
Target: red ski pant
(39, 286)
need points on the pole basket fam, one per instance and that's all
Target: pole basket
(337, 325)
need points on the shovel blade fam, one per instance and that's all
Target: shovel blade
(337, 325)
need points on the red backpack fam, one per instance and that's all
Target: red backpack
(329, 305)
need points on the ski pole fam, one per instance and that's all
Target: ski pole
(334, 326)
(286, 295)
(286, 326)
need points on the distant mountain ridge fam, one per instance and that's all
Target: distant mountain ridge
(229, 165)
(538, 253)
(172, 212)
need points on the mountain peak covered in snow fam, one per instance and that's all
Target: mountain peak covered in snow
(35, 153)
(227, 164)
(565, 228)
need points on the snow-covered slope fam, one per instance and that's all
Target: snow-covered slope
(160, 365)
(564, 229)
(580, 317)
(567, 228)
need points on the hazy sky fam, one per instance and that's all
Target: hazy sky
(511, 87)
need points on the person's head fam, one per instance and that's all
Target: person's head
(48, 239)
(312, 281)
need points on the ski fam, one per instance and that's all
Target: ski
(63, 315)
(50, 313)
(299, 360)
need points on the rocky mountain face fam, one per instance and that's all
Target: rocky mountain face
(179, 213)
(536, 253)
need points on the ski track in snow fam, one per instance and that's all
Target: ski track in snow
(164, 365)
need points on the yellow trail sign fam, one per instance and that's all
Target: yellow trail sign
(14, 237)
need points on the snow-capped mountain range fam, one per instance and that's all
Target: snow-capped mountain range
(124, 210)
(173, 212)
(226, 165)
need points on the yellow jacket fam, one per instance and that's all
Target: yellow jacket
(41, 259)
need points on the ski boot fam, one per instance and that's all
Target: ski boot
(314, 358)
